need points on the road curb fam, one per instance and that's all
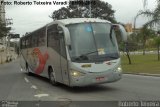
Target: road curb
(144, 74)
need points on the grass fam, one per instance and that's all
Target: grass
(141, 64)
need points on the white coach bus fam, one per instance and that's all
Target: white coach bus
(74, 52)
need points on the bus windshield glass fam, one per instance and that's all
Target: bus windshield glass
(92, 42)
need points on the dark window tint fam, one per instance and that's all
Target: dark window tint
(63, 48)
(22, 43)
(28, 42)
(53, 42)
(41, 37)
(35, 39)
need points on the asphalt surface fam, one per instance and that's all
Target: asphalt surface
(18, 86)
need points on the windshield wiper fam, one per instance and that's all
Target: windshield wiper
(89, 53)
(84, 56)
(112, 57)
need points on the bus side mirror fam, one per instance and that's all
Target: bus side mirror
(60, 32)
(121, 30)
(65, 32)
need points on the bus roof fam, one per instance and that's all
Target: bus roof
(72, 21)
(78, 20)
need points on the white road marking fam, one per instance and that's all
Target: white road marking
(64, 99)
(34, 87)
(21, 69)
(26, 79)
(41, 95)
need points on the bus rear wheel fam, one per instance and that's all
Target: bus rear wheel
(27, 70)
(52, 76)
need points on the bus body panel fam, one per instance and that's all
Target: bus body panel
(54, 60)
(22, 63)
(65, 71)
(39, 59)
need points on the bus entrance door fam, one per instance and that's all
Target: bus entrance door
(64, 62)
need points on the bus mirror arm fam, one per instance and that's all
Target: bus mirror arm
(122, 31)
(66, 35)
(60, 34)
(69, 46)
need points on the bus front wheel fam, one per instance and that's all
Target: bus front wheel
(52, 76)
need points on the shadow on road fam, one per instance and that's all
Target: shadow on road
(90, 89)
(84, 89)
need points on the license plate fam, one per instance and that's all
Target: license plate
(100, 78)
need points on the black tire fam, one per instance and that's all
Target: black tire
(52, 76)
(27, 70)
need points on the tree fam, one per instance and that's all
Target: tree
(154, 20)
(146, 34)
(100, 9)
(153, 15)
(3, 29)
(157, 42)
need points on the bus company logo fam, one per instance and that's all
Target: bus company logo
(42, 60)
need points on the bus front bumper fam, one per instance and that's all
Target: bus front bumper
(95, 78)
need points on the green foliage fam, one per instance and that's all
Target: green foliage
(157, 41)
(141, 64)
(145, 31)
(153, 15)
(146, 34)
(141, 40)
(3, 29)
(150, 43)
(121, 46)
(101, 10)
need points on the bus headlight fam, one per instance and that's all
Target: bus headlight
(75, 73)
(119, 69)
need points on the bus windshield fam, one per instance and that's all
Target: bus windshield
(92, 42)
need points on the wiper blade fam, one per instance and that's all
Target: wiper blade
(84, 56)
(114, 57)
(89, 53)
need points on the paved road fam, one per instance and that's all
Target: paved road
(17, 85)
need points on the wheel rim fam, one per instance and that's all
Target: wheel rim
(52, 77)
(27, 69)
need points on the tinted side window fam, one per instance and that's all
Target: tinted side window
(41, 38)
(34, 39)
(22, 43)
(63, 48)
(28, 42)
(53, 42)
